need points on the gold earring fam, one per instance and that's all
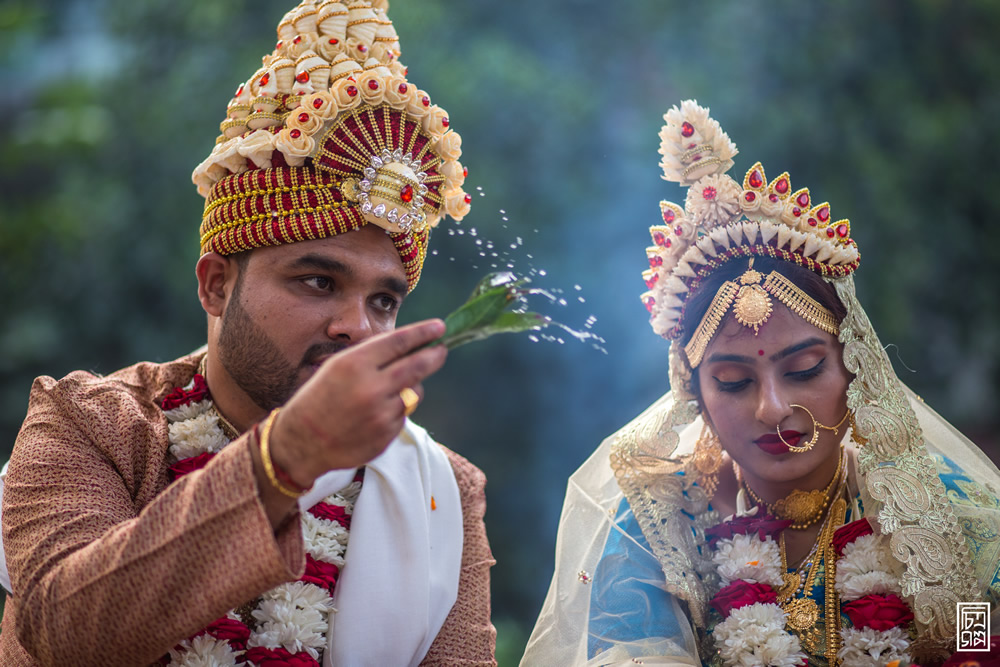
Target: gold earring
(816, 427)
(858, 440)
(707, 459)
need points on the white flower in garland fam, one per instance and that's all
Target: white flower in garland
(747, 557)
(869, 583)
(755, 635)
(862, 572)
(202, 651)
(293, 616)
(189, 410)
(327, 539)
(873, 648)
(197, 435)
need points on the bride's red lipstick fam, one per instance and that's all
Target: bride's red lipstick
(772, 444)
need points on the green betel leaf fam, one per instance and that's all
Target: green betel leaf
(487, 312)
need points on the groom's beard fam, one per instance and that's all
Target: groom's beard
(256, 363)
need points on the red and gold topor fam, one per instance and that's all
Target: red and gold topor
(269, 207)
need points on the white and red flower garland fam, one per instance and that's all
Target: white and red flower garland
(292, 620)
(869, 595)
(749, 564)
(752, 631)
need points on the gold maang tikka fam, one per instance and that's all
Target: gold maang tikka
(752, 306)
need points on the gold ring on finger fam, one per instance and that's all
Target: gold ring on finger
(410, 401)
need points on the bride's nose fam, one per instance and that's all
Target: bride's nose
(773, 406)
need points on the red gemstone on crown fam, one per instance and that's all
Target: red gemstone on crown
(465, 172)
(669, 215)
(302, 77)
(812, 222)
(652, 280)
(824, 214)
(334, 40)
(655, 261)
(295, 134)
(781, 187)
(317, 103)
(829, 232)
(659, 238)
(406, 194)
(687, 129)
(650, 302)
(468, 199)
(403, 88)
(773, 197)
(264, 79)
(749, 196)
(709, 192)
(842, 231)
(426, 101)
(297, 39)
(352, 91)
(303, 117)
(679, 230)
(756, 180)
(803, 199)
(695, 158)
(362, 48)
(445, 122)
(277, 46)
(796, 211)
(372, 84)
(690, 146)
(239, 92)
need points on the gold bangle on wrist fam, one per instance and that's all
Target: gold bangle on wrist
(265, 456)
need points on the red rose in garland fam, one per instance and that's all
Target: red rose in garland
(278, 657)
(184, 466)
(765, 526)
(321, 574)
(989, 658)
(180, 396)
(848, 533)
(227, 629)
(331, 513)
(878, 612)
(741, 593)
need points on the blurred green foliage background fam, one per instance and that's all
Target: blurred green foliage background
(885, 108)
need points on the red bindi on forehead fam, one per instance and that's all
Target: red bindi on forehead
(760, 353)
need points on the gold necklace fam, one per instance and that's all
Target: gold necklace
(804, 508)
(227, 427)
(803, 613)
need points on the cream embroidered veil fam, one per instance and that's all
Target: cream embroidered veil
(922, 483)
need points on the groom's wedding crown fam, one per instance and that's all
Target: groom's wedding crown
(722, 219)
(329, 135)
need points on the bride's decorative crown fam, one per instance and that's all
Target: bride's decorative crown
(329, 135)
(722, 220)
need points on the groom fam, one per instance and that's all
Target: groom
(267, 500)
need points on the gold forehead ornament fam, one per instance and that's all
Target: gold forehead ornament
(751, 304)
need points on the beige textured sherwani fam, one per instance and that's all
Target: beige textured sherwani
(112, 564)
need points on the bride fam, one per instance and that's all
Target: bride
(789, 501)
